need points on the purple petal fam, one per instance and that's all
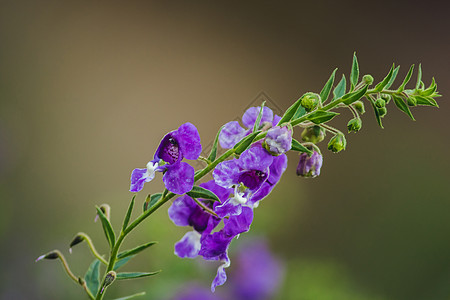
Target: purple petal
(215, 246)
(220, 192)
(276, 119)
(238, 224)
(263, 191)
(228, 208)
(225, 174)
(189, 140)
(221, 276)
(181, 210)
(255, 158)
(189, 245)
(250, 116)
(138, 178)
(169, 149)
(179, 178)
(231, 134)
(278, 140)
(253, 179)
(277, 168)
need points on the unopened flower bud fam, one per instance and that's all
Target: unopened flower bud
(337, 143)
(76, 240)
(309, 166)
(51, 255)
(412, 101)
(354, 125)
(386, 97)
(106, 209)
(313, 134)
(382, 111)
(278, 140)
(310, 101)
(359, 106)
(109, 279)
(380, 103)
(367, 79)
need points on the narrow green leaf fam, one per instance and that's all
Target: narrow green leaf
(301, 111)
(131, 296)
(213, 153)
(128, 215)
(121, 262)
(430, 90)
(379, 87)
(199, 192)
(92, 277)
(354, 75)
(107, 228)
(321, 116)
(419, 77)
(151, 200)
(406, 80)
(325, 93)
(290, 112)
(245, 143)
(402, 106)
(136, 250)
(339, 90)
(297, 146)
(425, 101)
(258, 119)
(394, 75)
(133, 275)
(377, 114)
(354, 96)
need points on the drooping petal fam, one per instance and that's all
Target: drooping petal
(231, 134)
(179, 178)
(239, 223)
(221, 276)
(228, 208)
(189, 140)
(251, 114)
(255, 158)
(181, 210)
(189, 245)
(225, 173)
(138, 178)
(215, 246)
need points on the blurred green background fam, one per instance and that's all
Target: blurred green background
(88, 89)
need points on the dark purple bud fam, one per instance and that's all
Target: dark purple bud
(51, 255)
(309, 166)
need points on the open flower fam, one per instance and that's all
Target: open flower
(184, 211)
(246, 175)
(232, 132)
(176, 145)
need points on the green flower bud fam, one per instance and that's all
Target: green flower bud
(337, 143)
(354, 125)
(382, 111)
(411, 101)
(386, 97)
(367, 79)
(313, 134)
(109, 279)
(310, 101)
(380, 103)
(359, 106)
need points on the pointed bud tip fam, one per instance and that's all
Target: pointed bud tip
(40, 258)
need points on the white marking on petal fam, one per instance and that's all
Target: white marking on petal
(151, 169)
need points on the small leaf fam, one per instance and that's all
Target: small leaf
(133, 275)
(394, 75)
(128, 215)
(354, 75)
(402, 106)
(213, 153)
(379, 87)
(301, 111)
(245, 143)
(151, 200)
(419, 77)
(377, 114)
(430, 90)
(131, 296)
(296, 146)
(92, 277)
(199, 192)
(339, 90)
(425, 101)
(258, 119)
(406, 80)
(107, 228)
(122, 262)
(135, 251)
(325, 93)
(354, 96)
(321, 116)
(291, 111)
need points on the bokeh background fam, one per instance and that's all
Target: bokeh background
(87, 90)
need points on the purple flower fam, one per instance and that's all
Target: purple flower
(184, 211)
(246, 174)
(176, 145)
(215, 246)
(278, 140)
(232, 132)
(309, 166)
